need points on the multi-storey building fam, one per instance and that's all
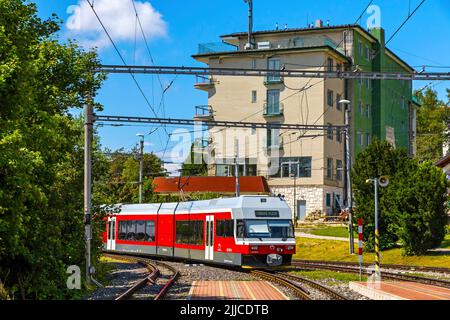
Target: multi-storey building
(306, 167)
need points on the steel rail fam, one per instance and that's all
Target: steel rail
(385, 274)
(204, 71)
(335, 295)
(150, 278)
(385, 266)
(300, 292)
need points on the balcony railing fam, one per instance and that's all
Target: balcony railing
(215, 47)
(273, 78)
(273, 110)
(300, 42)
(204, 112)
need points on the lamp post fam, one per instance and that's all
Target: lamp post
(141, 158)
(347, 105)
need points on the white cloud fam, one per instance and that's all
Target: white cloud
(118, 17)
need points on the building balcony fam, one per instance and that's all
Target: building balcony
(204, 83)
(273, 110)
(274, 78)
(204, 112)
(213, 47)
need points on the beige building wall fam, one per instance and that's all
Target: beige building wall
(231, 100)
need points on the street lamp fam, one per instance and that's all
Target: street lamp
(141, 156)
(347, 153)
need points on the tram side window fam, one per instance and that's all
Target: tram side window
(150, 231)
(224, 228)
(140, 230)
(131, 230)
(240, 229)
(189, 232)
(122, 230)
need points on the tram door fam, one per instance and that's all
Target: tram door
(209, 245)
(111, 241)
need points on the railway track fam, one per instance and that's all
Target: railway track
(299, 291)
(385, 266)
(333, 266)
(150, 279)
(323, 289)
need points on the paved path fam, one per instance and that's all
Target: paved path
(313, 236)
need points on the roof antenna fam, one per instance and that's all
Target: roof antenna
(276, 26)
(285, 26)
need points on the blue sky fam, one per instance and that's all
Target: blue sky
(424, 40)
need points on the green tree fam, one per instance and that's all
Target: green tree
(41, 210)
(418, 204)
(378, 159)
(190, 166)
(433, 118)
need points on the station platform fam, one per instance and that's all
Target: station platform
(400, 290)
(235, 290)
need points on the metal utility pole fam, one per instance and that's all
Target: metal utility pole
(88, 127)
(141, 159)
(377, 234)
(236, 166)
(348, 166)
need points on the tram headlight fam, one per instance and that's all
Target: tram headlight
(279, 249)
(290, 247)
(254, 248)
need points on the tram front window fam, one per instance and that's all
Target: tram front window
(269, 229)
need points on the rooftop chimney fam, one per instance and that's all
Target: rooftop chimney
(319, 23)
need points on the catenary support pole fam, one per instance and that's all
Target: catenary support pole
(141, 160)
(348, 155)
(88, 127)
(236, 166)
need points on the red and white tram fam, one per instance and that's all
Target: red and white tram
(243, 231)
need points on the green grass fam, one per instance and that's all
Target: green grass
(331, 277)
(341, 232)
(446, 243)
(318, 249)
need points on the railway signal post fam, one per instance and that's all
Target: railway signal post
(360, 247)
(88, 127)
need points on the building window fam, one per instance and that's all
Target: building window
(299, 167)
(338, 135)
(338, 170)
(367, 51)
(329, 131)
(253, 96)
(330, 65)
(330, 95)
(330, 168)
(254, 65)
(368, 138)
(273, 64)
(338, 98)
(403, 105)
(368, 110)
(226, 167)
(360, 138)
(273, 102)
(273, 138)
(361, 108)
(369, 83)
(338, 67)
(328, 200)
(360, 48)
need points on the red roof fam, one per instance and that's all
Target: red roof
(222, 185)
